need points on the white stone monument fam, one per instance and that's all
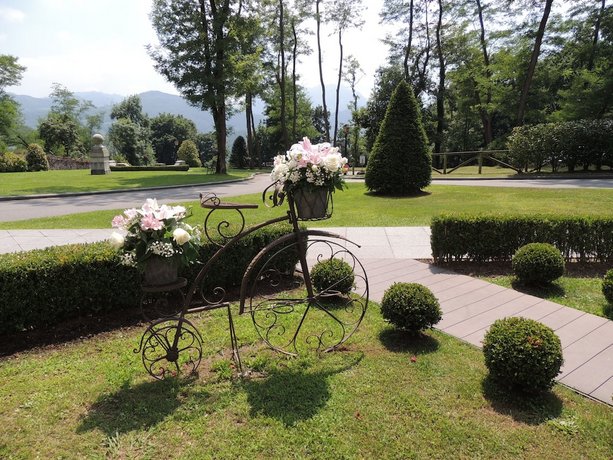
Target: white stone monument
(99, 156)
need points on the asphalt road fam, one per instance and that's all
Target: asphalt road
(57, 206)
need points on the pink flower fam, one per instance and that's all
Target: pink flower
(149, 222)
(118, 221)
(150, 205)
(131, 213)
(306, 144)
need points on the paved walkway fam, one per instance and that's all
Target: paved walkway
(469, 305)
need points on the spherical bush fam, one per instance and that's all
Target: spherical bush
(607, 286)
(36, 158)
(522, 353)
(410, 306)
(333, 275)
(538, 263)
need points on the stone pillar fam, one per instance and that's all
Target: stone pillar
(99, 156)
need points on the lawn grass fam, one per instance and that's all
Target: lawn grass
(355, 208)
(81, 180)
(581, 293)
(92, 399)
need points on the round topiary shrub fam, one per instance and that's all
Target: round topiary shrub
(522, 353)
(410, 306)
(607, 286)
(36, 158)
(538, 263)
(188, 152)
(332, 275)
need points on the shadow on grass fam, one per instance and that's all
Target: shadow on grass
(544, 291)
(405, 342)
(531, 409)
(419, 194)
(293, 394)
(133, 407)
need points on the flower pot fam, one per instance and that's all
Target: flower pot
(311, 203)
(160, 271)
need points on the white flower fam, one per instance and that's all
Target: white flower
(332, 162)
(181, 236)
(116, 240)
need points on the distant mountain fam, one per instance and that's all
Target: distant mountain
(156, 102)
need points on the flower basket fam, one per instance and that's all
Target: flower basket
(311, 203)
(159, 271)
(155, 239)
(309, 173)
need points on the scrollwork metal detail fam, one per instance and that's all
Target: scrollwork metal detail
(170, 347)
(294, 322)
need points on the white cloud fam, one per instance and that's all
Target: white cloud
(64, 36)
(11, 14)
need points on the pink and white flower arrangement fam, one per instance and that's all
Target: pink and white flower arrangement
(155, 230)
(309, 165)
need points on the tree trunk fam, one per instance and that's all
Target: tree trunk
(407, 50)
(321, 73)
(284, 135)
(294, 78)
(533, 60)
(249, 115)
(338, 84)
(440, 95)
(590, 62)
(486, 116)
(219, 118)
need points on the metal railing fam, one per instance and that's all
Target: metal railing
(478, 155)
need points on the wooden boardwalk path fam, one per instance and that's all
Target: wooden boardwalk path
(470, 306)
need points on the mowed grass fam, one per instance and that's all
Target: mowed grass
(92, 399)
(81, 180)
(354, 207)
(581, 293)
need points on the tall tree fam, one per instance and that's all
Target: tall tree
(195, 55)
(11, 73)
(352, 76)
(344, 14)
(440, 92)
(130, 132)
(168, 132)
(536, 50)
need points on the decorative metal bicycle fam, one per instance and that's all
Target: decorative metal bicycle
(289, 314)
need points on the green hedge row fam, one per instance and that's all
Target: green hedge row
(496, 238)
(43, 287)
(576, 144)
(150, 168)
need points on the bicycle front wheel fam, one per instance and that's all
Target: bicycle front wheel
(293, 308)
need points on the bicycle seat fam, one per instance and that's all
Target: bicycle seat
(211, 201)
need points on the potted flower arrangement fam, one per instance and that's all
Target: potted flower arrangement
(309, 173)
(155, 240)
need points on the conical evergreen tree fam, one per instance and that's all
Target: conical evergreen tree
(400, 162)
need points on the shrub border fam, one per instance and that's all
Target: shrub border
(497, 237)
(44, 287)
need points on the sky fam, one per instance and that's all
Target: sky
(93, 45)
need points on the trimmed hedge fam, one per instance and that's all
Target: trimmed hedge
(150, 168)
(497, 238)
(40, 288)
